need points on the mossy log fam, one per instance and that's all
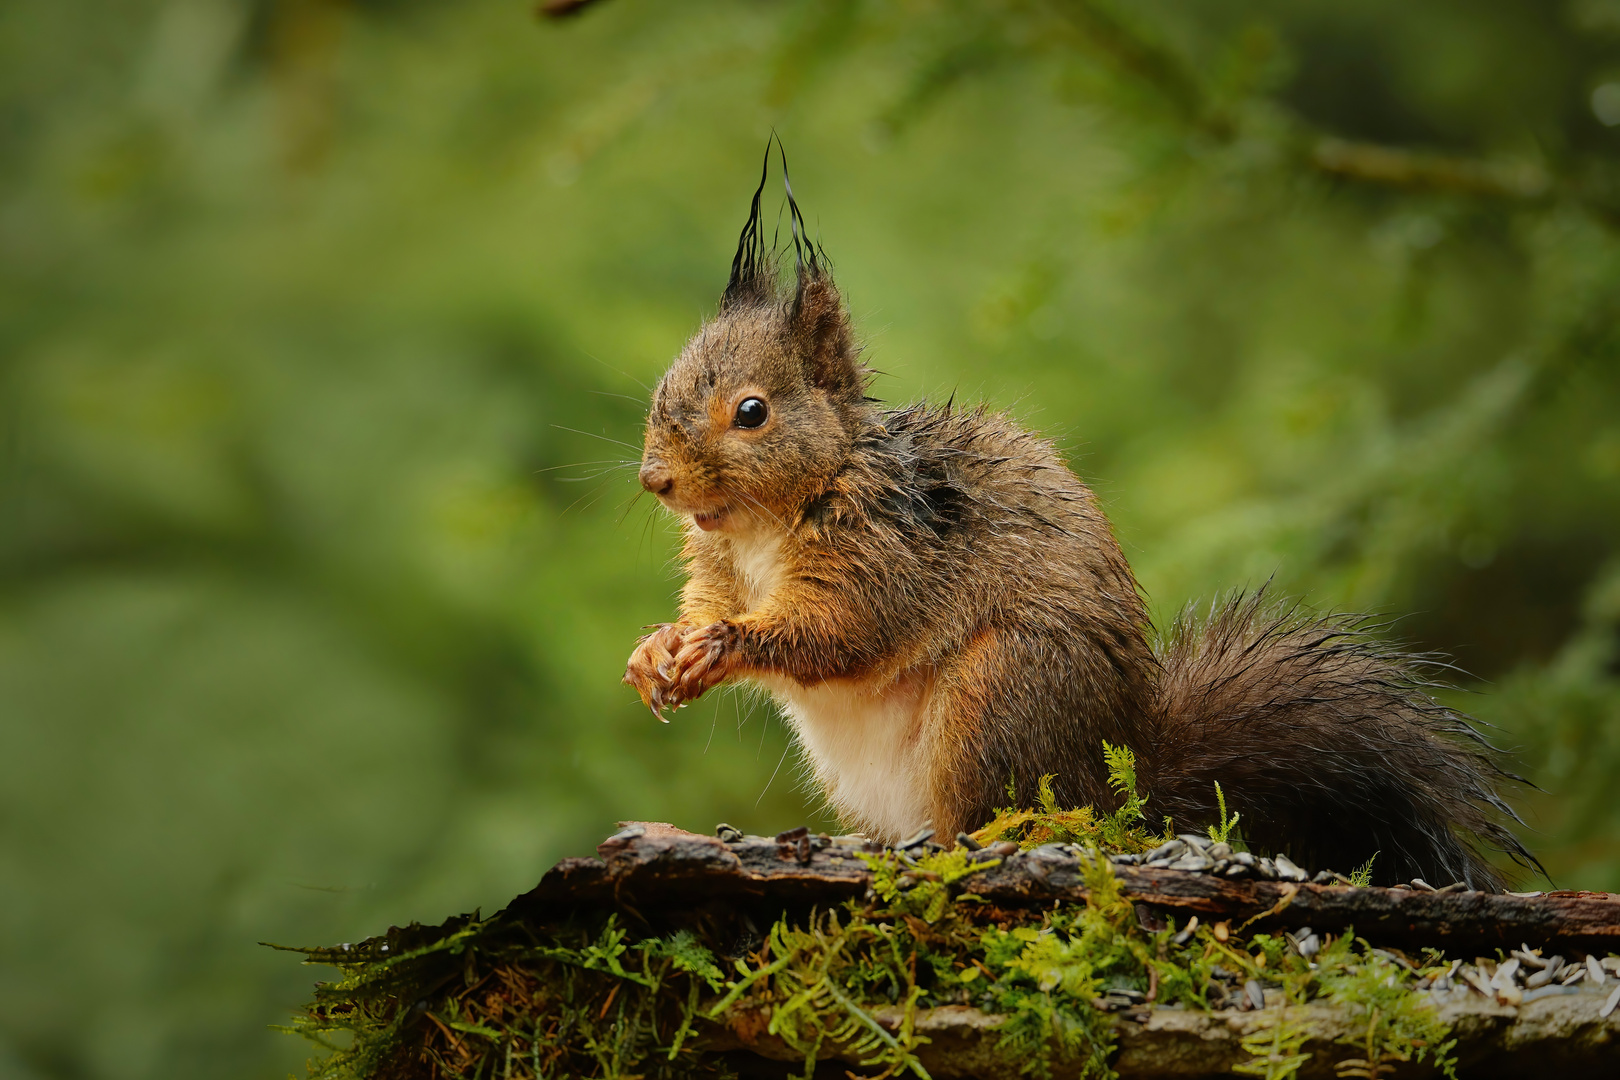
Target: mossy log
(651, 863)
(655, 881)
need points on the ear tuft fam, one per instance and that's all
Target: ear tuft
(822, 334)
(816, 322)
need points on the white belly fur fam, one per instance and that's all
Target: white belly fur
(863, 742)
(863, 737)
(757, 559)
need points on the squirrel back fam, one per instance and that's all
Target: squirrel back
(939, 606)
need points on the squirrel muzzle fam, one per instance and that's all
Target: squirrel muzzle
(656, 477)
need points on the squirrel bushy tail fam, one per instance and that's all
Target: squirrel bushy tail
(1328, 743)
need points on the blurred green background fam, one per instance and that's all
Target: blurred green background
(325, 324)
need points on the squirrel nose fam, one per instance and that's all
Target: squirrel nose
(655, 477)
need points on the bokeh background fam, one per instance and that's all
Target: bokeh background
(326, 328)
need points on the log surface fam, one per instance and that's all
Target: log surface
(658, 865)
(1561, 1033)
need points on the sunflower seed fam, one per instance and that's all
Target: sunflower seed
(1052, 854)
(917, 839)
(1170, 849)
(1545, 975)
(1287, 871)
(1528, 958)
(1256, 996)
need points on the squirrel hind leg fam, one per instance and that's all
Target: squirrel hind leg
(1006, 712)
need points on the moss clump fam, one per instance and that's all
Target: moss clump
(1125, 830)
(478, 995)
(505, 997)
(1374, 984)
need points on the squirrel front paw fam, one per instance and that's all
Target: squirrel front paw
(648, 671)
(707, 657)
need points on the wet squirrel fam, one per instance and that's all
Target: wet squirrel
(939, 605)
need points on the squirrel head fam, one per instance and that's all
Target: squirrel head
(760, 410)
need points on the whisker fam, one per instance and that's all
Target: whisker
(767, 510)
(596, 498)
(624, 397)
(577, 464)
(593, 435)
(646, 532)
(718, 705)
(774, 771)
(593, 495)
(626, 374)
(629, 506)
(593, 476)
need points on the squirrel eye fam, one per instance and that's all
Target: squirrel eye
(751, 413)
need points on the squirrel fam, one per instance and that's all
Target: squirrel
(943, 613)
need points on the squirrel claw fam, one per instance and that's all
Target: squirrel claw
(706, 659)
(675, 664)
(648, 669)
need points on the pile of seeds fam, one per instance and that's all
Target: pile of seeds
(1200, 854)
(1526, 975)
(1189, 852)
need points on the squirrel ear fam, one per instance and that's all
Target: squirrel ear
(822, 331)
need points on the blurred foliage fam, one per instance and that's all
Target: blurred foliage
(325, 326)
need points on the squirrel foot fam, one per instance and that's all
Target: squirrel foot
(707, 657)
(648, 670)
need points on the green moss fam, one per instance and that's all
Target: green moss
(1361, 876)
(1124, 830)
(505, 997)
(1225, 832)
(1399, 1026)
